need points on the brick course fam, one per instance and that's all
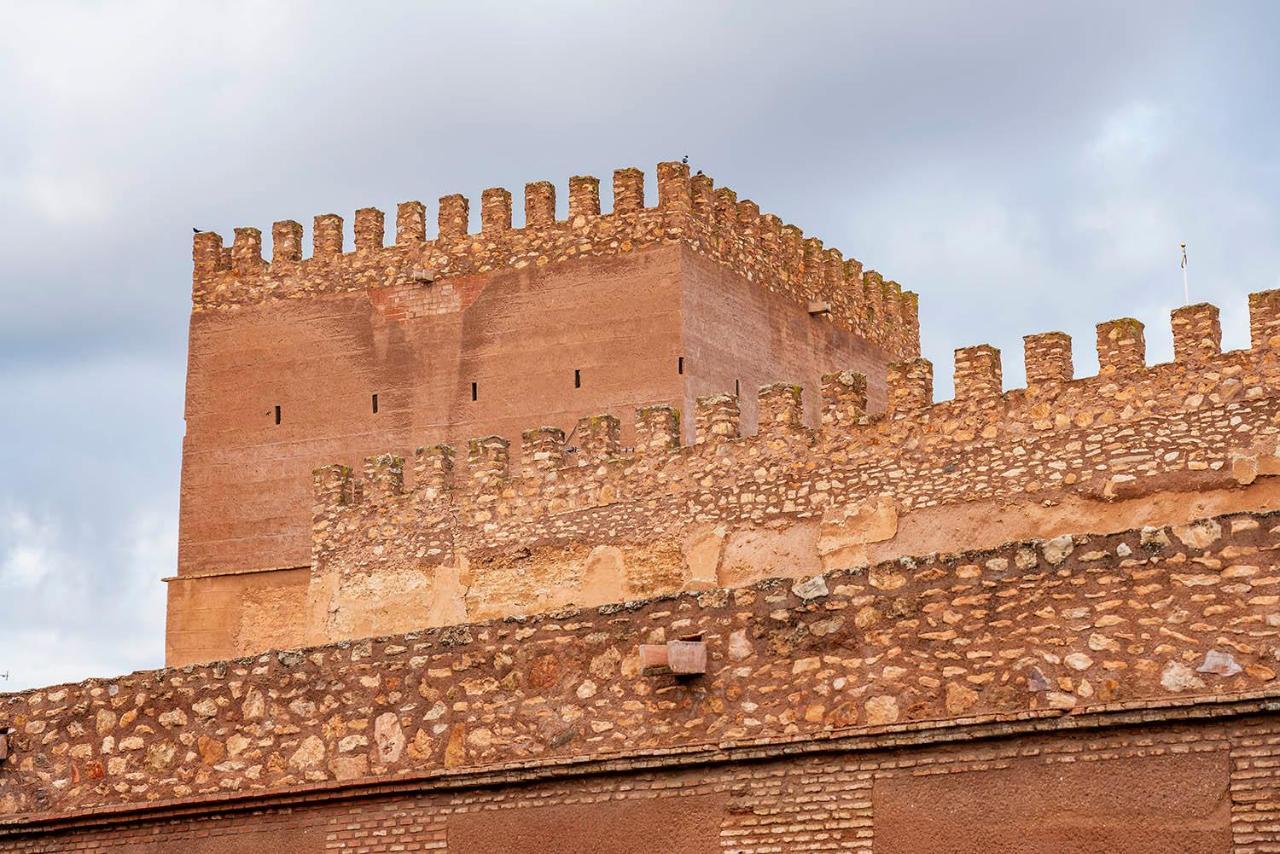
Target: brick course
(1191, 779)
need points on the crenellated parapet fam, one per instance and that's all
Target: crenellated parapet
(690, 210)
(1206, 421)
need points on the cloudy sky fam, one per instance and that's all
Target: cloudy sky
(1023, 166)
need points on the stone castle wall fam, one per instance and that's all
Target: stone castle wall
(1072, 625)
(584, 521)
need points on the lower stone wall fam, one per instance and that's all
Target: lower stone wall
(1067, 625)
(1202, 785)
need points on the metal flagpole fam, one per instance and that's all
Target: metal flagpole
(1186, 291)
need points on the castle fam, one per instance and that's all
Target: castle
(643, 528)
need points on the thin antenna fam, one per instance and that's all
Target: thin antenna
(1186, 291)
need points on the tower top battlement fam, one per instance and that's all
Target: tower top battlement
(690, 211)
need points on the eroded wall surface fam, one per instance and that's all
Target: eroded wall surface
(447, 537)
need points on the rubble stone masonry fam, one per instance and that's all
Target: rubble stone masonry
(1020, 635)
(455, 536)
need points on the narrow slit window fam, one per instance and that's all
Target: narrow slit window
(737, 388)
(577, 378)
(375, 404)
(277, 413)
(680, 365)
(475, 391)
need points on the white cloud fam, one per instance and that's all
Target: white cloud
(1132, 136)
(28, 550)
(65, 199)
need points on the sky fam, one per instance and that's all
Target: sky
(1024, 167)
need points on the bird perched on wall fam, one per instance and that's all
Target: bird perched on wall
(196, 230)
(685, 160)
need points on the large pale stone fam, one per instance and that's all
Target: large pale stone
(1199, 535)
(388, 735)
(105, 721)
(1058, 549)
(604, 577)
(881, 710)
(206, 708)
(1178, 677)
(702, 550)
(1078, 661)
(173, 718)
(254, 706)
(1060, 700)
(310, 753)
(739, 646)
(1219, 663)
(160, 756)
(1153, 538)
(846, 531)
(811, 588)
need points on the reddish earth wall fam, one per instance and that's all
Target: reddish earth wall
(738, 335)
(519, 335)
(615, 325)
(544, 343)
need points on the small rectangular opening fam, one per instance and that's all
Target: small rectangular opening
(277, 413)
(577, 378)
(737, 388)
(475, 392)
(680, 365)
(375, 404)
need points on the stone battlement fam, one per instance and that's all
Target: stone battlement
(1199, 364)
(1075, 624)
(690, 211)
